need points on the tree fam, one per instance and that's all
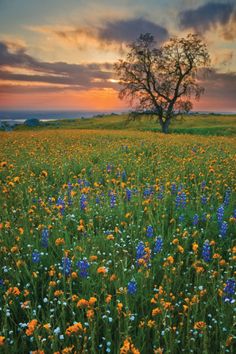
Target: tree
(161, 81)
(32, 122)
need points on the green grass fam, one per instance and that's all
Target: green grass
(219, 125)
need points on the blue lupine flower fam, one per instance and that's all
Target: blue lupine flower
(195, 219)
(227, 197)
(83, 202)
(97, 200)
(124, 176)
(36, 257)
(181, 200)
(160, 196)
(177, 201)
(44, 239)
(158, 245)
(173, 188)
(203, 199)
(109, 168)
(203, 185)
(149, 231)
(229, 290)
(180, 188)
(181, 218)
(66, 266)
(83, 268)
(223, 229)
(220, 214)
(112, 200)
(206, 251)
(132, 287)
(148, 192)
(61, 204)
(87, 183)
(128, 194)
(140, 251)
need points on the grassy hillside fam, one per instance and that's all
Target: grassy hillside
(194, 124)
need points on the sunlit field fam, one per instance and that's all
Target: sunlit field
(117, 242)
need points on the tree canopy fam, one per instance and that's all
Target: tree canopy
(162, 81)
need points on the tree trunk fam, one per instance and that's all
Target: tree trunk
(164, 125)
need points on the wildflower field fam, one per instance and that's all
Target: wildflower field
(117, 242)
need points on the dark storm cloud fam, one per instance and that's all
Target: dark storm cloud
(128, 30)
(219, 85)
(204, 17)
(115, 32)
(74, 75)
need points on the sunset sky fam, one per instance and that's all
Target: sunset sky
(59, 54)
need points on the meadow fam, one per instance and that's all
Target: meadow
(196, 124)
(117, 241)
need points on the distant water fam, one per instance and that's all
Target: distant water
(17, 117)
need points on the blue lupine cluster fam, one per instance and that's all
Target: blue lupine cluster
(140, 251)
(203, 199)
(195, 219)
(83, 202)
(227, 197)
(160, 195)
(132, 287)
(83, 268)
(220, 214)
(204, 217)
(112, 200)
(203, 185)
(124, 176)
(83, 183)
(223, 229)
(61, 204)
(229, 290)
(148, 192)
(66, 266)
(180, 200)
(181, 218)
(206, 251)
(149, 231)
(158, 245)
(44, 238)
(173, 188)
(36, 257)
(128, 194)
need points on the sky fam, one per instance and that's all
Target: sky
(59, 55)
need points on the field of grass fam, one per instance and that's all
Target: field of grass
(117, 241)
(220, 125)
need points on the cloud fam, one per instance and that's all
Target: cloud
(220, 86)
(113, 33)
(229, 31)
(15, 64)
(128, 30)
(206, 16)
